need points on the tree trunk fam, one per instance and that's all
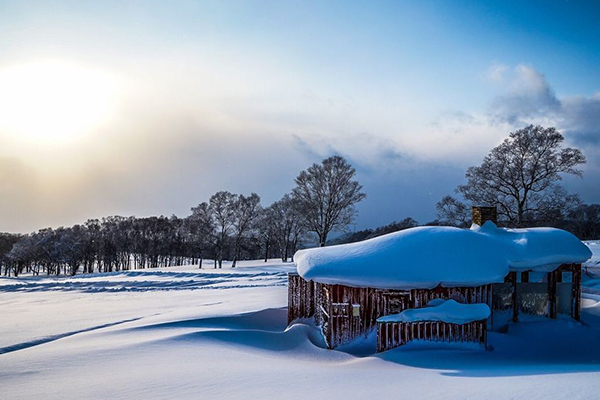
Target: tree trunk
(323, 239)
(519, 215)
(266, 250)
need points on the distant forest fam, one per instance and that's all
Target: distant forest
(226, 227)
(520, 177)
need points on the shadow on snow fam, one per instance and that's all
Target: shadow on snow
(47, 339)
(528, 348)
(125, 281)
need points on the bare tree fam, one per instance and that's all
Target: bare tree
(326, 195)
(200, 228)
(453, 212)
(222, 208)
(586, 220)
(245, 213)
(520, 175)
(288, 224)
(267, 230)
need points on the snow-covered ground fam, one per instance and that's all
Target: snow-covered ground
(180, 332)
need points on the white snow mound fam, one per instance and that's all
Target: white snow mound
(425, 257)
(443, 310)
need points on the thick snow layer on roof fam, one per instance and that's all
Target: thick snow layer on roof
(536, 248)
(425, 257)
(446, 311)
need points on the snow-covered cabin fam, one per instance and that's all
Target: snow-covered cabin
(346, 288)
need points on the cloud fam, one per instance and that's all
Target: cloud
(370, 152)
(174, 146)
(529, 98)
(581, 119)
(527, 95)
(496, 73)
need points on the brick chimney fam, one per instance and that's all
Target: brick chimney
(480, 214)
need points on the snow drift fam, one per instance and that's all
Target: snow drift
(425, 257)
(442, 310)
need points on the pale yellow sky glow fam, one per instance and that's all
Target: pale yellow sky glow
(148, 108)
(54, 101)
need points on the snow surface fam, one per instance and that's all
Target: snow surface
(184, 333)
(442, 310)
(425, 257)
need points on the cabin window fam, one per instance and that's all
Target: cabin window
(355, 310)
(537, 277)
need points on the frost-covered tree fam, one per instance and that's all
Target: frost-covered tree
(7, 241)
(70, 247)
(326, 195)
(520, 177)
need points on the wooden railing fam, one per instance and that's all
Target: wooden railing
(395, 334)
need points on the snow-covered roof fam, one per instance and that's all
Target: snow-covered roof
(442, 310)
(425, 257)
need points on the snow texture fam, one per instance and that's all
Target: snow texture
(184, 333)
(442, 310)
(426, 257)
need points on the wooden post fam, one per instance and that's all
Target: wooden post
(552, 294)
(512, 278)
(525, 277)
(576, 292)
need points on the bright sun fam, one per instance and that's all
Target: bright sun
(53, 101)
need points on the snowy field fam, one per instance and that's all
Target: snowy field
(184, 333)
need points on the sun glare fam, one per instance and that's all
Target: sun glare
(53, 101)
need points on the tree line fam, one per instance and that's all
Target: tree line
(228, 226)
(520, 177)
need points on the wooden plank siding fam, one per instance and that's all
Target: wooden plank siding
(332, 306)
(300, 298)
(395, 334)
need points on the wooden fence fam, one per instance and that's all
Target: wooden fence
(395, 334)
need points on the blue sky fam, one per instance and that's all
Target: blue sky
(203, 96)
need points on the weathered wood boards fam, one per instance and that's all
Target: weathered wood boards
(345, 313)
(395, 334)
(301, 299)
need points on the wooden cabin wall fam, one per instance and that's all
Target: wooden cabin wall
(345, 313)
(301, 299)
(354, 311)
(467, 295)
